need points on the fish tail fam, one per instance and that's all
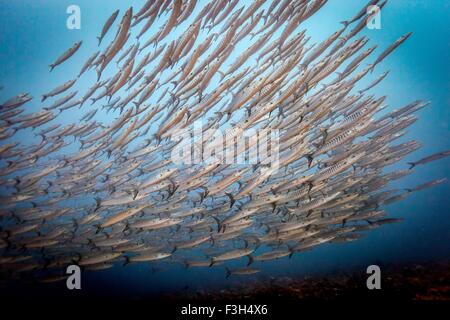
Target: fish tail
(98, 228)
(43, 98)
(310, 158)
(8, 243)
(280, 45)
(52, 66)
(99, 73)
(75, 224)
(250, 260)
(222, 75)
(99, 40)
(136, 103)
(232, 200)
(219, 224)
(127, 260)
(345, 23)
(98, 203)
(212, 262)
(227, 273)
(291, 251)
(257, 244)
(7, 233)
(411, 165)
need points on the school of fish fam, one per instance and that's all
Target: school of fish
(101, 194)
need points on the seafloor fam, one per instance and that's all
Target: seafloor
(428, 281)
(403, 283)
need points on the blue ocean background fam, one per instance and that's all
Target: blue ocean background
(34, 33)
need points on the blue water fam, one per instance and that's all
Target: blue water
(33, 34)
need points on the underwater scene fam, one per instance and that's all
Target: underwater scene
(225, 150)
